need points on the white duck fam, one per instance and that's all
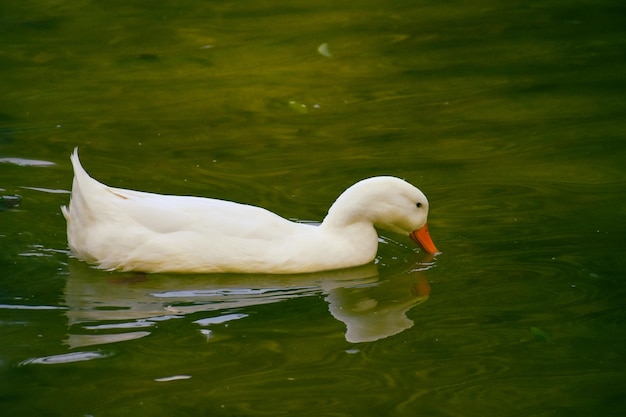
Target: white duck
(130, 230)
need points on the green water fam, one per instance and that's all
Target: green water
(509, 116)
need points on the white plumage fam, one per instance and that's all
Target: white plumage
(127, 230)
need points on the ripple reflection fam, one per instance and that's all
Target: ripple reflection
(370, 307)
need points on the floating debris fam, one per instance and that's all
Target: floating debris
(323, 50)
(298, 107)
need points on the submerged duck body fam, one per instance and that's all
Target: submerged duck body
(118, 229)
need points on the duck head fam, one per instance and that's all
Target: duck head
(388, 203)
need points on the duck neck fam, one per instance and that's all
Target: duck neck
(350, 227)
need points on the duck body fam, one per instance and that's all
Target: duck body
(118, 229)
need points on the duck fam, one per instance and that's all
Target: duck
(126, 230)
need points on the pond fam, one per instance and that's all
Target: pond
(509, 117)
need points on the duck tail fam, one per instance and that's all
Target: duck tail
(76, 162)
(81, 181)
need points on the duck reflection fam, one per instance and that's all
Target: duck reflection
(123, 306)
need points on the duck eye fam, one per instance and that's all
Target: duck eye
(419, 205)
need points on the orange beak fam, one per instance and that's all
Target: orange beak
(422, 237)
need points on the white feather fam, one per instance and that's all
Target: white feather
(126, 230)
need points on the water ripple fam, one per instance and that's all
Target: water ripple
(66, 358)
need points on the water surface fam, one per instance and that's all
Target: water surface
(508, 116)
